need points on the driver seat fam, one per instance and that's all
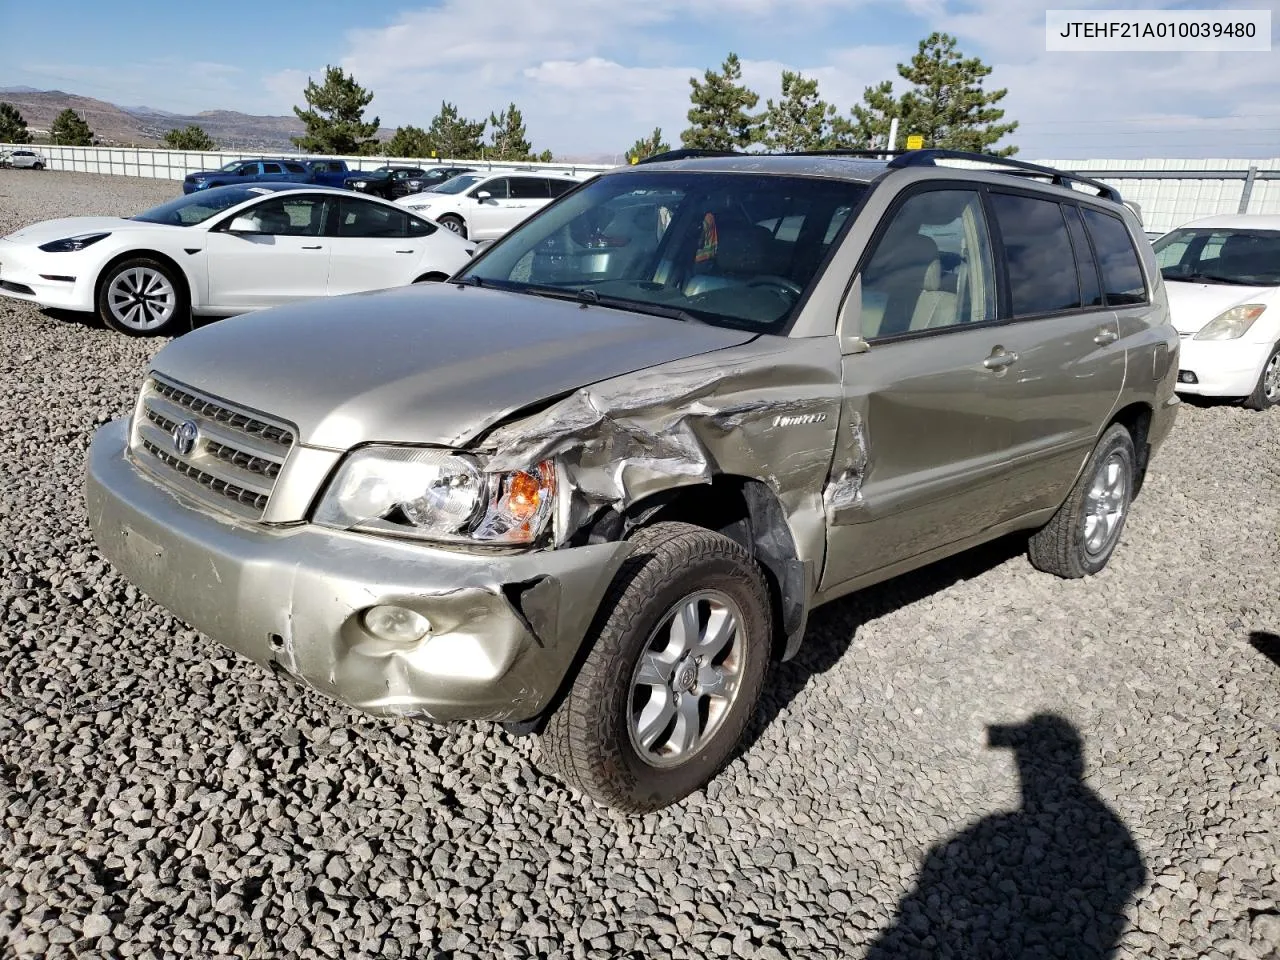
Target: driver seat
(741, 255)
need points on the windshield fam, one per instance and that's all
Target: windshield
(196, 208)
(230, 167)
(1227, 255)
(735, 250)
(456, 185)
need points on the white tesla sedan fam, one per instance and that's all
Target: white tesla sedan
(225, 251)
(1222, 275)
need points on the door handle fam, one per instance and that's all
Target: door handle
(406, 251)
(316, 247)
(999, 359)
(1106, 336)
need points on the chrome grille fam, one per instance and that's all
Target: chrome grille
(234, 460)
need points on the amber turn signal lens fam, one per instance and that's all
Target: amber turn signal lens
(524, 495)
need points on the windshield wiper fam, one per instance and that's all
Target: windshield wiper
(588, 297)
(1212, 278)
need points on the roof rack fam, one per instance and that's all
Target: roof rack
(687, 154)
(929, 158)
(915, 158)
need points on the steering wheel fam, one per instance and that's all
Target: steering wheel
(778, 283)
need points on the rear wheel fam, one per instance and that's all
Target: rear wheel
(677, 661)
(450, 222)
(1083, 534)
(1267, 392)
(142, 297)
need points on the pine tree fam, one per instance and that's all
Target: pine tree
(13, 126)
(191, 137)
(335, 116)
(69, 130)
(800, 120)
(867, 127)
(720, 117)
(947, 105)
(454, 137)
(408, 141)
(507, 135)
(544, 156)
(648, 146)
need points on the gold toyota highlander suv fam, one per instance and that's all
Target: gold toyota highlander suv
(593, 485)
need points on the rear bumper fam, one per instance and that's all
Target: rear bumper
(505, 628)
(1222, 368)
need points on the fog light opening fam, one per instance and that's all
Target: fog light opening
(1187, 376)
(396, 624)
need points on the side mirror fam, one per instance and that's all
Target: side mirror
(244, 225)
(483, 195)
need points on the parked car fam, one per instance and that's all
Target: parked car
(23, 159)
(431, 177)
(329, 173)
(485, 206)
(382, 181)
(1223, 278)
(223, 251)
(248, 171)
(595, 484)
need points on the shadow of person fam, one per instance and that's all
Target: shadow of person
(1051, 879)
(1267, 644)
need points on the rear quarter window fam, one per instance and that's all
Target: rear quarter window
(1122, 280)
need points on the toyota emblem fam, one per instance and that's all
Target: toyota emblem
(185, 436)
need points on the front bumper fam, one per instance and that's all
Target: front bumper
(506, 628)
(24, 271)
(1222, 368)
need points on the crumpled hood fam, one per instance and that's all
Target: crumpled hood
(426, 364)
(1192, 305)
(65, 227)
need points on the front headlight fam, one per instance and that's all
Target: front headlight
(1231, 324)
(437, 495)
(73, 244)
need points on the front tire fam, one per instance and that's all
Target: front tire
(37, 166)
(677, 660)
(450, 222)
(1083, 534)
(141, 297)
(1267, 392)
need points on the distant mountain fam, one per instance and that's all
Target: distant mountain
(146, 126)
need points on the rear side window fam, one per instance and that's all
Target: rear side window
(1122, 279)
(420, 228)
(529, 188)
(359, 218)
(560, 187)
(295, 168)
(271, 168)
(1037, 249)
(1086, 266)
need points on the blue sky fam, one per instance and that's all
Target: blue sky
(592, 75)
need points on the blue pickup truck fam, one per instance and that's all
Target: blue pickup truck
(330, 173)
(250, 171)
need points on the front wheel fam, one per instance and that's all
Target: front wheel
(450, 222)
(37, 166)
(1267, 392)
(142, 297)
(1080, 538)
(677, 661)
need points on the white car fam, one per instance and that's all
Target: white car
(1223, 279)
(224, 251)
(27, 159)
(485, 206)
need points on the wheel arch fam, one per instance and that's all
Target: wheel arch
(1136, 418)
(748, 512)
(433, 276)
(187, 281)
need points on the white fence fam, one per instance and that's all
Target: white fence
(1170, 192)
(176, 164)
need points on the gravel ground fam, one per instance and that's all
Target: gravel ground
(160, 797)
